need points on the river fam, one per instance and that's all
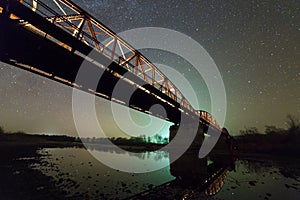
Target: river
(77, 172)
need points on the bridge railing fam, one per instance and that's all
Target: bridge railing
(74, 20)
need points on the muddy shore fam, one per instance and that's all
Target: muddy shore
(19, 181)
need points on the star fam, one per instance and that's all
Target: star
(254, 44)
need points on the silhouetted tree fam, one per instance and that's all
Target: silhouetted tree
(165, 140)
(149, 139)
(1, 130)
(293, 124)
(273, 130)
(249, 131)
(158, 138)
(144, 138)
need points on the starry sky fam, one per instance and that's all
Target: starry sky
(255, 44)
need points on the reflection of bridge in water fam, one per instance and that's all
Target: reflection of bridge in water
(195, 178)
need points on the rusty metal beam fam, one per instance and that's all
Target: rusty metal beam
(71, 13)
(65, 18)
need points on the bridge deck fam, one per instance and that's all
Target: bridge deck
(40, 43)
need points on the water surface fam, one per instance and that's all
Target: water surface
(81, 175)
(78, 172)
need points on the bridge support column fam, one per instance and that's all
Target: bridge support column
(189, 129)
(188, 168)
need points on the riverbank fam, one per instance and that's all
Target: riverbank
(18, 152)
(281, 145)
(19, 181)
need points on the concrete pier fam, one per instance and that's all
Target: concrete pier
(189, 129)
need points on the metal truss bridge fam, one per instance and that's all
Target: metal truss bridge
(52, 38)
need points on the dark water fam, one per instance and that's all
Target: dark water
(80, 174)
(262, 179)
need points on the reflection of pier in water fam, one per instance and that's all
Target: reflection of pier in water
(195, 178)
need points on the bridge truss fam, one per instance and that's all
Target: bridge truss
(81, 25)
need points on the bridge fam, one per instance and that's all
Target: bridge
(53, 39)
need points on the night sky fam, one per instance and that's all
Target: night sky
(255, 44)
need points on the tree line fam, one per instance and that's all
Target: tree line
(141, 140)
(275, 141)
(292, 128)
